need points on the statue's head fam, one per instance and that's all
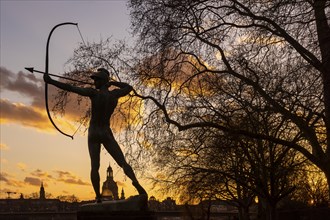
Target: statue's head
(102, 74)
(101, 77)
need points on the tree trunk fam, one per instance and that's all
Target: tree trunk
(243, 213)
(262, 212)
(267, 209)
(323, 32)
(272, 212)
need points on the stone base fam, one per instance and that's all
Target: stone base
(134, 203)
(117, 215)
(135, 207)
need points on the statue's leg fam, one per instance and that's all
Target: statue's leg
(94, 153)
(114, 150)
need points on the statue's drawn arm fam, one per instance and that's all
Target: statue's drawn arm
(124, 88)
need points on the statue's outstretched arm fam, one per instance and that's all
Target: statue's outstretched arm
(68, 87)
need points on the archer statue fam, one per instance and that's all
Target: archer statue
(104, 102)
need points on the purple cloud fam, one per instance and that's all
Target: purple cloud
(32, 181)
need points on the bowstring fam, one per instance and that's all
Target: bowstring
(82, 38)
(115, 72)
(81, 35)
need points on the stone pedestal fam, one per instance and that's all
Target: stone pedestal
(117, 215)
(133, 208)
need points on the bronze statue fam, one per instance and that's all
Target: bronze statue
(104, 102)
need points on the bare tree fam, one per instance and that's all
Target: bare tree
(68, 198)
(206, 164)
(200, 61)
(205, 65)
(311, 188)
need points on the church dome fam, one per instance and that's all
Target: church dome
(107, 193)
(110, 188)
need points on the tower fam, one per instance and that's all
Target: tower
(42, 194)
(122, 196)
(110, 188)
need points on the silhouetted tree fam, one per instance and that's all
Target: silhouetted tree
(68, 198)
(204, 65)
(34, 195)
(205, 164)
(311, 187)
(201, 62)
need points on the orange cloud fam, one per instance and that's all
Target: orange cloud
(10, 180)
(32, 181)
(22, 114)
(185, 75)
(68, 177)
(30, 116)
(41, 174)
(4, 177)
(26, 84)
(32, 88)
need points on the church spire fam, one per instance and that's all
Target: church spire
(109, 172)
(122, 194)
(42, 194)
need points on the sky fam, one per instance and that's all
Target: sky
(32, 151)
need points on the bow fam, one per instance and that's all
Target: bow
(46, 72)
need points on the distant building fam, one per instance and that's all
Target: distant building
(110, 187)
(168, 204)
(167, 209)
(40, 204)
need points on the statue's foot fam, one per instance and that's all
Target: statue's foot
(139, 188)
(98, 200)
